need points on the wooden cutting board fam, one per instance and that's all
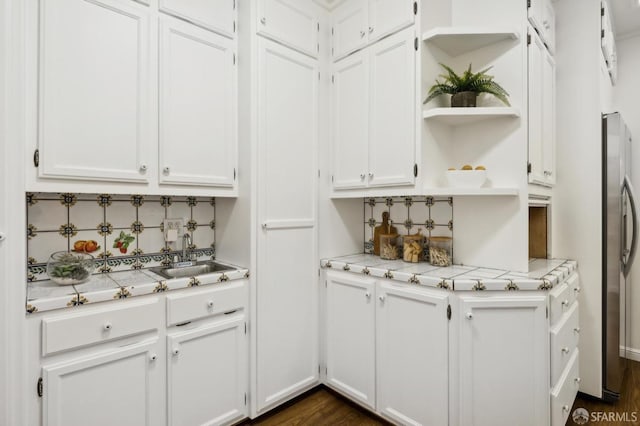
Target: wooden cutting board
(384, 228)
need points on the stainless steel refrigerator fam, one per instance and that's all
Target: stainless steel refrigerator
(620, 238)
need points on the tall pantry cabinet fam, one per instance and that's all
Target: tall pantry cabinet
(273, 226)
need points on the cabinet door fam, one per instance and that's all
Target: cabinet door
(291, 22)
(350, 27)
(287, 264)
(549, 24)
(412, 355)
(197, 106)
(350, 339)
(504, 340)
(122, 386)
(215, 15)
(535, 57)
(207, 374)
(389, 16)
(535, 13)
(548, 118)
(94, 89)
(392, 117)
(350, 144)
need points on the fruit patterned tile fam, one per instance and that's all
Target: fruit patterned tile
(89, 242)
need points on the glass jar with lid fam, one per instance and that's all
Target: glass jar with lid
(389, 246)
(440, 251)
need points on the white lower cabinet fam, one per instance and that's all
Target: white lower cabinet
(207, 373)
(118, 386)
(350, 341)
(504, 359)
(412, 349)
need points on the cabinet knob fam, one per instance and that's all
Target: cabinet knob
(565, 408)
(166, 170)
(362, 176)
(3, 236)
(469, 315)
(381, 298)
(577, 289)
(577, 330)
(107, 326)
(370, 30)
(565, 350)
(367, 295)
(175, 351)
(263, 21)
(210, 303)
(578, 380)
(143, 168)
(153, 357)
(565, 303)
(370, 175)
(362, 34)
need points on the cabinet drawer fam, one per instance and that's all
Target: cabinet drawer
(564, 342)
(573, 282)
(559, 303)
(563, 395)
(73, 331)
(199, 304)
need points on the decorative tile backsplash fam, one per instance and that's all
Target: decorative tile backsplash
(433, 216)
(121, 231)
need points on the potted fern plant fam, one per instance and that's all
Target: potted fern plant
(464, 89)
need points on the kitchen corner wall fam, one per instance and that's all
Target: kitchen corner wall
(432, 216)
(55, 221)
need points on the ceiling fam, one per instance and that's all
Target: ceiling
(626, 17)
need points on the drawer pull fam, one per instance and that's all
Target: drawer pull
(565, 350)
(210, 303)
(577, 289)
(381, 297)
(469, 315)
(577, 330)
(565, 303)
(367, 295)
(175, 351)
(153, 357)
(565, 408)
(107, 326)
(578, 380)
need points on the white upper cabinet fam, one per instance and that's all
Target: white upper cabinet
(95, 119)
(197, 106)
(392, 114)
(350, 22)
(542, 16)
(291, 22)
(214, 15)
(357, 23)
(351, 121)
(541, 98)
(374, 115)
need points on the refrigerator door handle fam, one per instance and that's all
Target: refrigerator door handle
(634, 220)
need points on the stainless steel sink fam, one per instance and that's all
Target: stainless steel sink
(199, 268)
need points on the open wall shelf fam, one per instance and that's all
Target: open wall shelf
(461, 116)
(458, 40)
(474, 192)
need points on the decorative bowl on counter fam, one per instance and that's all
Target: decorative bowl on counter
(466, 178)
(66, 268)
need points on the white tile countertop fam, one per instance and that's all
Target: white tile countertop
(47, 295)
(543, 273)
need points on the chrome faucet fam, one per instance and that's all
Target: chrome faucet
(186, 246)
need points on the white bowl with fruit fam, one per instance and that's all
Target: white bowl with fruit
(467, 177)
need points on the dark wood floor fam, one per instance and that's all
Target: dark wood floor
(319, 407)
(323, 407)
(629, 402)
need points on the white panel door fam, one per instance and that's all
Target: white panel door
(197, 106)
(535, 56)
(94, 115)
(412, 354)
(291, 22)
(207, 374)
(121, 386)
(350, 142)
(504, 360)
(392, 106)
(215, 15)
(349, 27)
(389, 16)
(287, 281)
(548, 118)
(350, 338)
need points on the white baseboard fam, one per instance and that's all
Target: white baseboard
(631, 353)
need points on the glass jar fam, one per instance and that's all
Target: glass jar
(389, 246)
(65, 268)
(440, 251)
(413, 247)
